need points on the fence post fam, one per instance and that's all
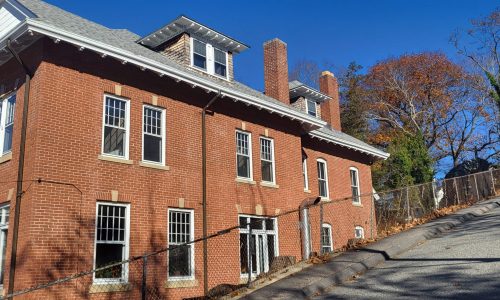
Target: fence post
(456, 189)
(144, 276)
(321, 229)
(477, 190)
(408, 204)
(493, 189)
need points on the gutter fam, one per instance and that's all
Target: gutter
(204, 188)
(162, 69)
(20, 169)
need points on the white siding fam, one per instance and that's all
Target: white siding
(10, 17)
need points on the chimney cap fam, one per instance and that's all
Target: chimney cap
(327, 73)
(275, 40)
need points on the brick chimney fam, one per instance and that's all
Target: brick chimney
(276, 70)
(330, 110)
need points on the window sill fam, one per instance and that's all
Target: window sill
(324, 199)
(96, 288)
(153, 166)
(269, 184)
(181, 283)
(5, 157)
(307, 191)
(115, 159)
(357, 204)
(247, 181)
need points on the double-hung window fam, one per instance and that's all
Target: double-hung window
(209, 59)
(181, 255)
(326, 238)
(304, 173)
(111, 242)
(4, 227)
(153, 135)
(311, 107)
(116, 127)
(7, 110)
(244, 154)
(200, 54)
(267, 159)
(322, 178)
(220, 64)
(355, 185)
(359, 232)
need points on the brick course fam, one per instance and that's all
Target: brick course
(57, 226)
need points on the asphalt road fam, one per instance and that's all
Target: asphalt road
(463, 263)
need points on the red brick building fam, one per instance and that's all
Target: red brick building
(114, 133)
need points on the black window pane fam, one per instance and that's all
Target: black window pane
(220, 69)
(199, 61)
(256, 223)
(322, 188)
(107, 254)
(152, 148)
(269, 224)
(114, 141)
(243, 166)
(267, 171)
(244, 253)
(270, 249)
(179, 261)
(243, 222)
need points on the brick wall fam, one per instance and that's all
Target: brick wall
(64, 143)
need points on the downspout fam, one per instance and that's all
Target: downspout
(20, 169)
(204, 189)
(305, 233)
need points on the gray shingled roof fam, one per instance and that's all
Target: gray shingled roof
(126, 40)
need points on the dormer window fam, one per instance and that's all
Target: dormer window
(220, 63)
(208, 58)
(199, 54)
(311, 107)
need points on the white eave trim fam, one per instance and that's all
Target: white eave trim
(152, 65)
(341, 142)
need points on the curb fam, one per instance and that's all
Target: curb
(371, 256)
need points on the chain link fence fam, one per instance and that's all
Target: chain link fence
(259, 247)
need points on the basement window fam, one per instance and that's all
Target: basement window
(153, 138)
(7, 110)
(112, 242)
(116, 127)
(180, 232)
(359, 232)
(326, 238)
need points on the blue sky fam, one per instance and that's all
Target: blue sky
(335, 32)
(330, 32)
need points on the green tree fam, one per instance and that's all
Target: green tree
(409, 163)
(353, 108)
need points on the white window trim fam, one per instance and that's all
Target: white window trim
(127, 126)
(163, 134)
(273, 161)
(358, 202)
(304, 172)
(315, 107)
(326, 177)
(191, 235)
(125, 271)
(210, 59)
(326, 225)
(362, 232)
(249, 155)
(3, 226)
(3, 119)
(245, 230)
